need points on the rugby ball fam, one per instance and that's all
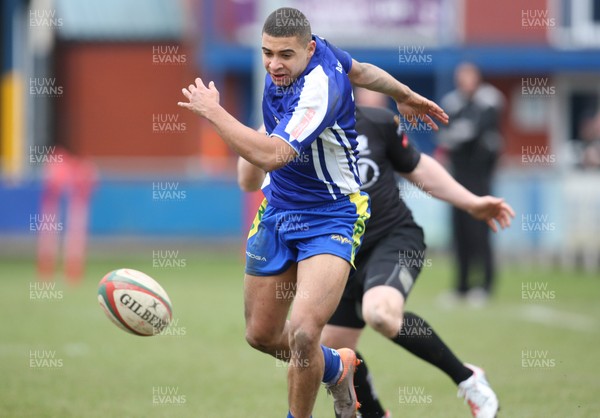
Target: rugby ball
(135, 302)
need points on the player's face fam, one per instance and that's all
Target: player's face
(285, 58)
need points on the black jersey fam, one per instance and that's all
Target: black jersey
(384, 150)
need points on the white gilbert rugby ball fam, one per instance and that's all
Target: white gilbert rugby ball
(135, 302)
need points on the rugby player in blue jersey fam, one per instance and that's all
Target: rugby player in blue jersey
(310, 225)
(392, 255)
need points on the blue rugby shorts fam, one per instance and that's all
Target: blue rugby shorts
(280, 237)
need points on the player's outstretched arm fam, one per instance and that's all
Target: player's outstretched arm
(431, 177)
(260, 150)
(411, 105)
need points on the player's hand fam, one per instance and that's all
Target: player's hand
(493, 210)
(416, 108)
(202, 99)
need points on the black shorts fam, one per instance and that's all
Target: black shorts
(395, 261)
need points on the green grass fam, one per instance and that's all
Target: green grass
(103, 372)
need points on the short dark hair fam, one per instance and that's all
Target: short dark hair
(287, 21)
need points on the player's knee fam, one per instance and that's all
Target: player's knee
(304, 338)
(260, 340)
(383, 320)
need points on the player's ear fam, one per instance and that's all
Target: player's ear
(311, 47)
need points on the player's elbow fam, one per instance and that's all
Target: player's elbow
(245, 186)
(249, 184)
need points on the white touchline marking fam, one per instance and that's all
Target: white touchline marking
(560, 319)
(76, 349)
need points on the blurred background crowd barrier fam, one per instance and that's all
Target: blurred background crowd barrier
(98, 82)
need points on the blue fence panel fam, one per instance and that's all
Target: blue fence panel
(186, 208)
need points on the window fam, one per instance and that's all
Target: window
(578, 23)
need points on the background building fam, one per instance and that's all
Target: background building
(101, 79)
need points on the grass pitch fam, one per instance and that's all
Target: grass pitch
(61, 357)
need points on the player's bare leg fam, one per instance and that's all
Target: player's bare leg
(383, 308)
(321, 281)
(383, 311)
(337, 337)
(265, 309)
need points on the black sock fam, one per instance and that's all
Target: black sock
(421, 340)
(365, 392)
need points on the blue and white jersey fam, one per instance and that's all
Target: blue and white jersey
(315, 115)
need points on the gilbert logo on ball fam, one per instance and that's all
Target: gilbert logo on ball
(135, 302)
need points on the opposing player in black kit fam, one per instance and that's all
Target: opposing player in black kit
(392, 256)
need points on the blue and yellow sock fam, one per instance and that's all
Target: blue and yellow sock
(333, 365)
(289, 415)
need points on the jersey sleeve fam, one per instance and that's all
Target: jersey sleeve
(401, 153)
(310, 113)
(342, 56)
